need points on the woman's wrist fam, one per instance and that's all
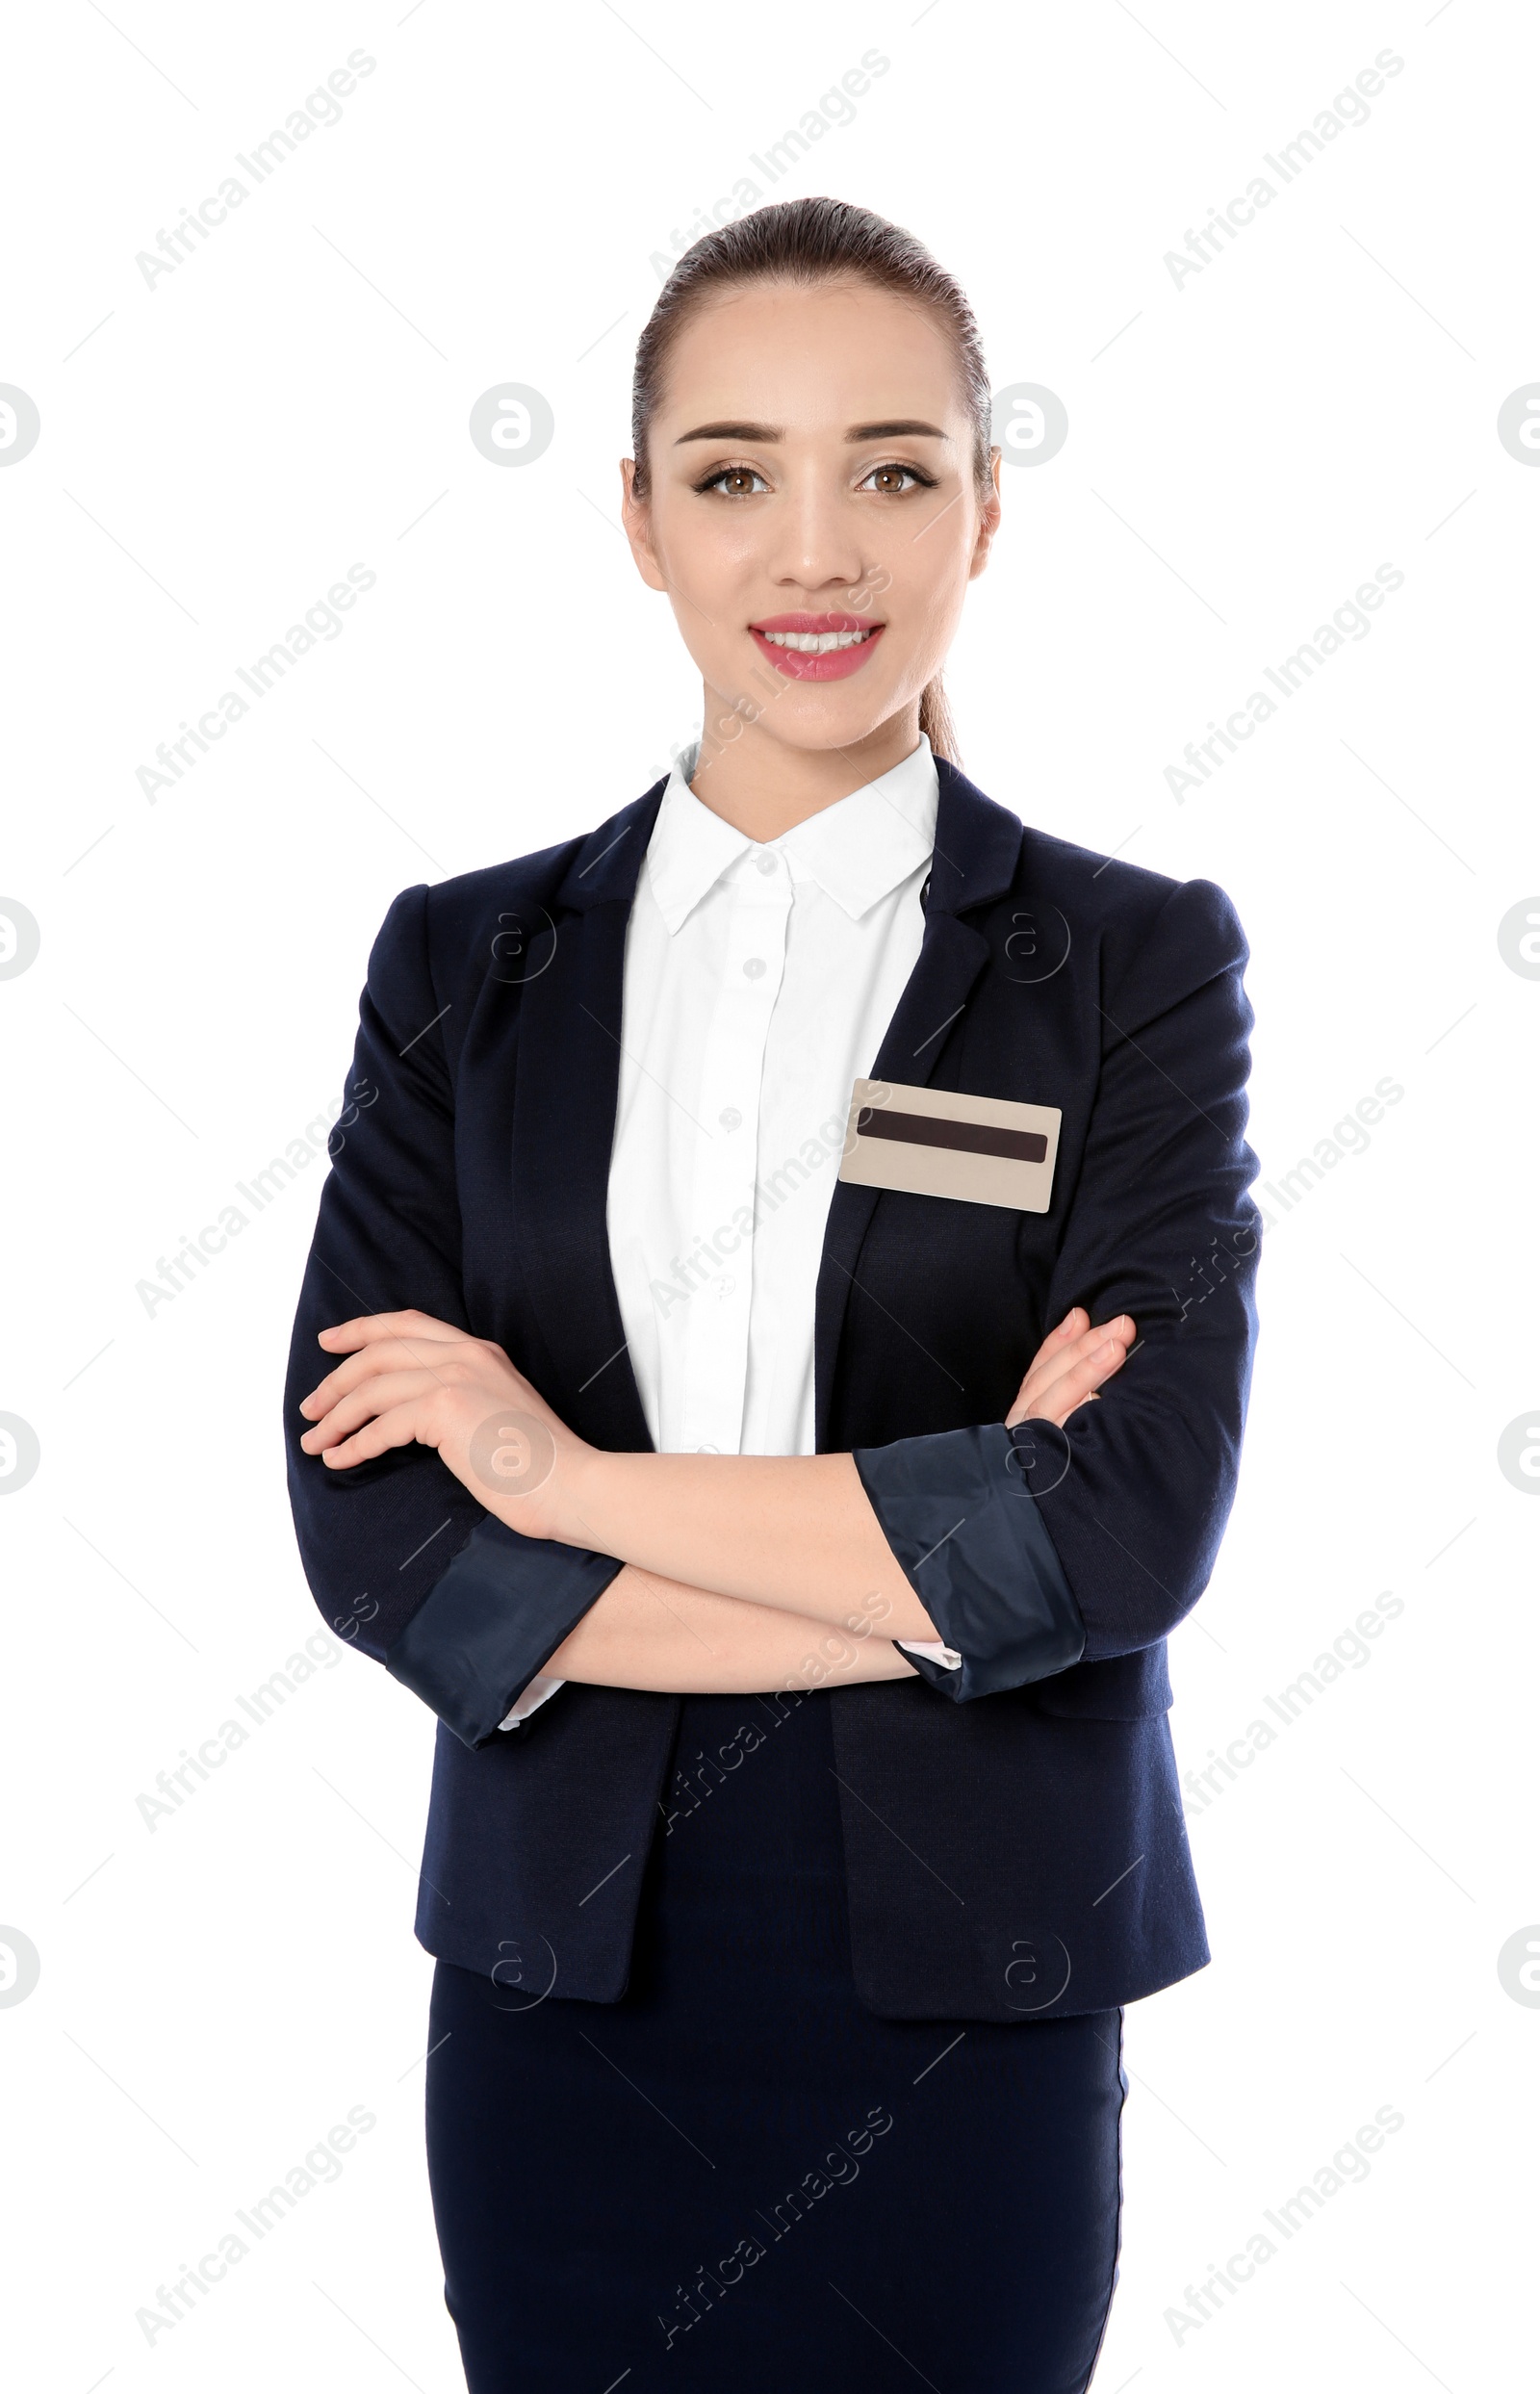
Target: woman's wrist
(575, 1496)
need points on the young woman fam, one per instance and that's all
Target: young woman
(770, 1375)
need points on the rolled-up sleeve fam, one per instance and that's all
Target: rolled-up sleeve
(401, 1560)
(488, 1628)
(1038, 1547)
(955, 1510)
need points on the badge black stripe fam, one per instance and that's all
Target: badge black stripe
(931, 1130)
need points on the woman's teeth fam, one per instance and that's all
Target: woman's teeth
(818, 643)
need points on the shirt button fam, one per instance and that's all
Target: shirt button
(766, 864)
(730, 1118)
(753, 967)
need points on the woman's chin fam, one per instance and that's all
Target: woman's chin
(829, 714)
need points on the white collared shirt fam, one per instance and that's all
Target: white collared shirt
(759, 983)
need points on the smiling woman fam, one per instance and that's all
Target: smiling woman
(766, 1342)
(908, 517)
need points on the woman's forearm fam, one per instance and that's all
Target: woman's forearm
(655, 1632)
(795, 1532)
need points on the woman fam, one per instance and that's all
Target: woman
(804, 1811)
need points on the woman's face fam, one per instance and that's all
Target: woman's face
(813, 513)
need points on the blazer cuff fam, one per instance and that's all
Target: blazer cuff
(958, 1516)
(491, 1623)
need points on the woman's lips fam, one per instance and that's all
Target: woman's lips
(817, 648)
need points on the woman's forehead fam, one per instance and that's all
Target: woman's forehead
(825, 355)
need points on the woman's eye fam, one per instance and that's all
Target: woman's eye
(736, 482)
(892, 481)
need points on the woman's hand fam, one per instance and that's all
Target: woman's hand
(409, 1380)
(1069, 1367)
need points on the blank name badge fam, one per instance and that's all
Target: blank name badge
(944, 1143)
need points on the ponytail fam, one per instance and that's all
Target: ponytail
(936, 722)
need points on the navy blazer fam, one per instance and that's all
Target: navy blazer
(1013, 1836)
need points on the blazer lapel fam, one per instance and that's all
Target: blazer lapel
(563, 1132)
(977, 846)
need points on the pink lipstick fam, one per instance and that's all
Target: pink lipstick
(817, 648)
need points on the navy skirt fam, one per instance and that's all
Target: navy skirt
(738, 2176)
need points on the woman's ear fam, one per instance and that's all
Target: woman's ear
(636, 516)
(988, 519)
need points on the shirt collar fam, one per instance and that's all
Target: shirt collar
(857, 850)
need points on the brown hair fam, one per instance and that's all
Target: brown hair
(816, 241)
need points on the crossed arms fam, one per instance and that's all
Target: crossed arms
(704, 1573)
(735, 1568)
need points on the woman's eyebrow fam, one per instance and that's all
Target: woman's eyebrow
(765, 433)
(901, 429)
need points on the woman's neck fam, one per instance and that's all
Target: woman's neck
(764, 788)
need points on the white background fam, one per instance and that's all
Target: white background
(1244, 450)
